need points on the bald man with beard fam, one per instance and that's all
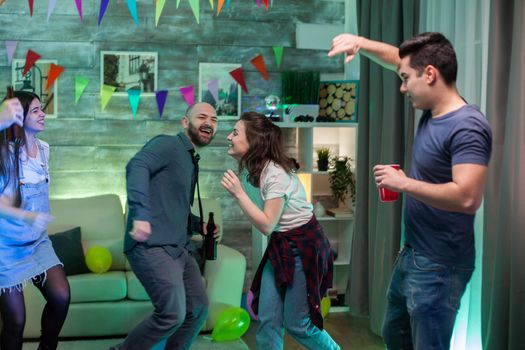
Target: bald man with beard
(161, 181)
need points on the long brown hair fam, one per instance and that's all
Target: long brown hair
(266, 144)
(10, 169)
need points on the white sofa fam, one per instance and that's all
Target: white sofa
(112, 303)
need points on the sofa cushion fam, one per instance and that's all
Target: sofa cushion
(91, 287)
(101, 219)
(68, 247)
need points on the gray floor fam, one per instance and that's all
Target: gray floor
(203, 343)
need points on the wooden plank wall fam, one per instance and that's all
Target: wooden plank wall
(90, 148)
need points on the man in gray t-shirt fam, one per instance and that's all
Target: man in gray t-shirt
(445, 188)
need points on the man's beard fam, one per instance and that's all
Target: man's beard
(193, 133)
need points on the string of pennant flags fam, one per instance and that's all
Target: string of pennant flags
(132, 7)
(107, 91)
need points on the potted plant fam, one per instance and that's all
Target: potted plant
(342, 180)
(323, 156)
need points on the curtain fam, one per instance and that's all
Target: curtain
(462, 22)
(385, 135)
(503, 292)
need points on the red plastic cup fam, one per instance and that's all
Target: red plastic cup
(387, 195)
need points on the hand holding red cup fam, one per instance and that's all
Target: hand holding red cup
(387, 195)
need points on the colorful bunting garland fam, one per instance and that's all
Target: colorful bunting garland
(194, 4)
(132, 7)
(238, 75)
(161, 100)
(159, 7)
(134, 100)
(80, 85)
(188, 94)
(50, 8)
(103, 8)
(219, 6)
(10, 47)
(79, 9)
(31, 59)
(278, 52)
(54, 72)
(258, 62)
(106, 94)
(31, 2)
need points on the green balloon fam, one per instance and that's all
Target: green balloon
(98, 259)
(231, 324)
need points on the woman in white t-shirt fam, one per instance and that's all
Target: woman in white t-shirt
(296, 269)
(26, 253)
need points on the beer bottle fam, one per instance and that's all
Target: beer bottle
(210, 244)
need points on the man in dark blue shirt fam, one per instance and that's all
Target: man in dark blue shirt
(160, 184)
(451, 153)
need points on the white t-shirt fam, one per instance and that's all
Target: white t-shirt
(34, 170)
(276, 183)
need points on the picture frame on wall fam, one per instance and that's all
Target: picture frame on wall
(218, 88)
(129, 70)
(35, 81)
(338, 100)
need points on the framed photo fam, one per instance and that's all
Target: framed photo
(225, 95)
(129, 70)
(338, 100)
(35, 81)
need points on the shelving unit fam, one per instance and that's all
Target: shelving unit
(341, 138)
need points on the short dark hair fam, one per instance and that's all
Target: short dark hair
(434, 49)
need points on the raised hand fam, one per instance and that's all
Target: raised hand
(345, 43)
(11, 112)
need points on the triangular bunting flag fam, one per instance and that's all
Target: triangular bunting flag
(161, 96)
(194, 4)
(258, 3)
(188, 94)
(258, 62)
(31, 7)
(211, 4)
(271, 3)
(238, 75)
(50, 8)
(31, 59)
(213, 87)
(80, 85)
(134, 99)
(53, 74)
(219, 6)
(278, 52)
(106, 94)
(266, 4)
(228, 3)
(79, 9)
(159, 6)
(103, 7)
(10, 47)
(132, 7)
(178, 2)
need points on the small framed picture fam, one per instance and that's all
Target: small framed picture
(338, 101)
(129, 70)
(218, 88)
(35, 81)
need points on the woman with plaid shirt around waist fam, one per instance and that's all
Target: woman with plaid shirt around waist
(296, 269)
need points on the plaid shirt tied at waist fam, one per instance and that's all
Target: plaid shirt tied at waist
(316, 256)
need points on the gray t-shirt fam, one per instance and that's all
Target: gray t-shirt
(460, 137)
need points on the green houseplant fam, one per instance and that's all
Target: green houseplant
(342, 181)
(323, 156)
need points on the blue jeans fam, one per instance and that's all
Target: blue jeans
(423, 300)
(288, 308)
(178, 295)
